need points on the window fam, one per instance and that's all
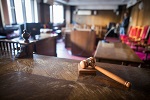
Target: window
(28, 11)
(21, 11)
(58, 13)
(18, 9)
(35, 11)
(51, 14)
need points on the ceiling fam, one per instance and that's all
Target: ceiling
(97, 4)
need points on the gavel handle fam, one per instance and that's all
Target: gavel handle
(113, 76)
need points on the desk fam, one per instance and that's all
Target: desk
(51, 78)
(116, 53)
(45, 45)
(83, 42)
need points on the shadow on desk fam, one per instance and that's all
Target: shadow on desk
(45, 77)
(30, 86)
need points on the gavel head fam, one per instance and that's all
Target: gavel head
(88, 62)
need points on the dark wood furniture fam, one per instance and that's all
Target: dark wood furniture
(50, 78)
(83, 42)
(118, 53)
(9, 48)
(13, 49)
(146, 51)
(67, 34)
(46, 45)
(9, 32)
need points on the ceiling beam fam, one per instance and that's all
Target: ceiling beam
(61, 1)
(101, 7)
(96, 2)
(93, 2)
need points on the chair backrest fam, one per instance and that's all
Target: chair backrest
(9, 48)
(138, 33)
(97, 30)
(145, 32)
(133, 32)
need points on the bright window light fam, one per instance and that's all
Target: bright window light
(28, 11)
(51, 14)
(35, 11)
(18, 9)
(58, 13)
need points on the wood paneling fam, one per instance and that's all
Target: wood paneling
(83, 42)
(68, 15)
(140, 17)
(146, 14)
(102, 18)
(44, 13)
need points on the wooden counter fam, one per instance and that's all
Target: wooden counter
(51, 78)
(45, 45)
(83, 42)
(116, 53)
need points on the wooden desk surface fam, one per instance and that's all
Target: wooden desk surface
(117, 52)
(51, 78)
(41, 37)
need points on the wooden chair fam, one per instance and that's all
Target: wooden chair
(124, 38)
(130, 36)
(97, 30)
(137, 34)
(144, 34)
(83, 42)
(132, 40)
(142, 40)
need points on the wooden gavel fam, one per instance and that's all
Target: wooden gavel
(91, 62)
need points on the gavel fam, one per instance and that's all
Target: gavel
(91, 62)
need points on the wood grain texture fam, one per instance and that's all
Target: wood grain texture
(117, 52)
(140, 17)
(45, 77)
(83, 42)
(103, 18)
(45, 45)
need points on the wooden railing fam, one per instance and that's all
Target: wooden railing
(15, 49)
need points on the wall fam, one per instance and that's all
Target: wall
(44, 13)
(67, 14)
(102, 18)
(5, 12)
(140, 17)
(1, 24)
